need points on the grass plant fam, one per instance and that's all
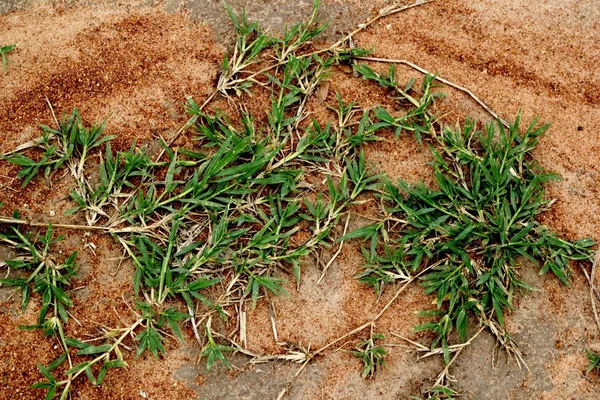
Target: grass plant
(230, 219)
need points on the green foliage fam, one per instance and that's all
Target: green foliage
(116, 174)
(71, 140)
(388, 81)
(594, 361)
(299, 35)
(231, 206)
(4, 50)
(47, 276)
(221, 216)
(371, 354)
(151, 340)
(251, 41)
(213, 351)
(471, 230)
(418, 120)
(106, 356)
(438, 393)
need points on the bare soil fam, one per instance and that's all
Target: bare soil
(134, 63)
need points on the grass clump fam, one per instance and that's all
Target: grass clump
(469, 232)
(371, 354)
(69, 144)
(47, 276)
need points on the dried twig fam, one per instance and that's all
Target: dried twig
(107, 229)
(272, 316)
(593, 291)
(242, 319)
(195, 328)
(16, 221)
(337, 253)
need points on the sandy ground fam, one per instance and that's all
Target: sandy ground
(136, 63)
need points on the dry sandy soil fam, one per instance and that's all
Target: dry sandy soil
(137, 62)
